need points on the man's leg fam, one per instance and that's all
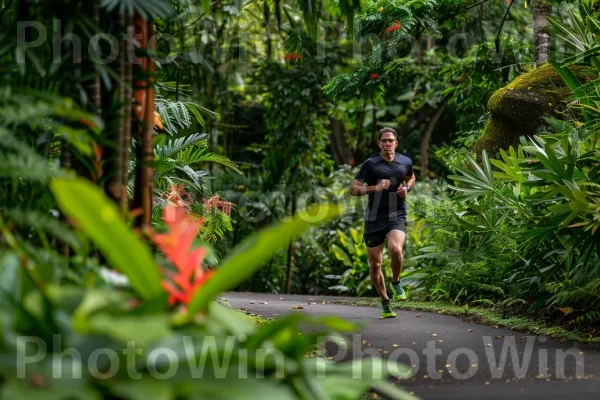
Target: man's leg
(375, 261)
(396, 239)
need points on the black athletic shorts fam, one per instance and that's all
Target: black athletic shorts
(378, 237)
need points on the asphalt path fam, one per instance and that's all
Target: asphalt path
(450, 358)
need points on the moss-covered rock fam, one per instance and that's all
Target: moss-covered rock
(517, 109)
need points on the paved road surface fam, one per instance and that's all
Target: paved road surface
(451, 358)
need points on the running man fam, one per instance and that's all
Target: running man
(385, 174)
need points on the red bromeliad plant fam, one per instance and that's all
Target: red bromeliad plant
(176, 245)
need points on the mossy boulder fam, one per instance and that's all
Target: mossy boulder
(517, 109)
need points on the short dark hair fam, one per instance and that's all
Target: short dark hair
(390, 130)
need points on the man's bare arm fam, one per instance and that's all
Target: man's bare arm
(411, 181)
(358, 188)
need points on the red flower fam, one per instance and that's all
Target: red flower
(176, 246)
(393, 27)
(292, 56)
(216, 202)
(175, 194)
(374, 76)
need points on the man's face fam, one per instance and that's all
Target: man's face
(387, 143)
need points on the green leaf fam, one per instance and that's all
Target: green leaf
(206, 7)
(391, 391)
(341, 255)
(255, 251)
(146, 388)
(232, 320)
(234, 389)
(144, 329)
(16, 390)
(487, 168)
(9, 276)
(100, 219)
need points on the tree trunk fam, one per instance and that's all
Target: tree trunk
(290, 258)
(144, 127)
(542, 9)
(374, 136)
(426, 139)
(359, 148)
(342, 153)
(267, 16)
(93, 90)
(123, 134)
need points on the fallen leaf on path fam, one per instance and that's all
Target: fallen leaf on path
(243, 308)
(251, 302)
(499, 337)
(364, 342)
(396, 345)
(489, 345)
(470, 330)
(297, 307)
(418, 316)
(566, 310)
(434, 334)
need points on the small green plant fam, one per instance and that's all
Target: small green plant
(172, 309)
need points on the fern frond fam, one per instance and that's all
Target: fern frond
(37, 220)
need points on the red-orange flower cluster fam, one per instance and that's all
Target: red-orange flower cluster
(217, 202)
(292, 56)
(176, 244)
(394, 27)
(177, 195)
(374, 76)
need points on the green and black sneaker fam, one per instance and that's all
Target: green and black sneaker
(399, 293)
(387, 312)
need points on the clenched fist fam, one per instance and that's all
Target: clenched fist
(401, 191)
(383, 184)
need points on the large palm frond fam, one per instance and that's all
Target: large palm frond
(148, 9)
(177, 115)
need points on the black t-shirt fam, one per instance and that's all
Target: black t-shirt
(385, 206)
